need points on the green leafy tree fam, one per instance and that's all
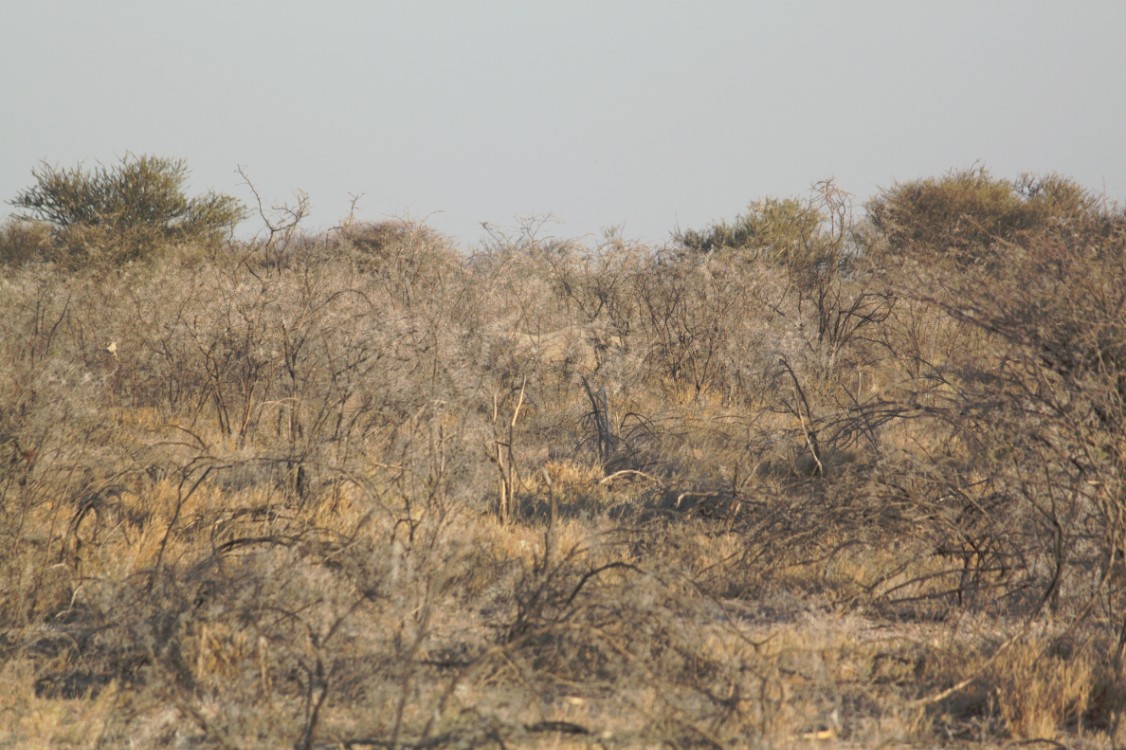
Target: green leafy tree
(134, 205)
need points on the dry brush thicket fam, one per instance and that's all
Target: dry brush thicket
(364, 490)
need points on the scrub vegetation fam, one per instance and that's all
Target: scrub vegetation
(824, 475)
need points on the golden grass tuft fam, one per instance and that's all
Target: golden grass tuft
(1041, 690)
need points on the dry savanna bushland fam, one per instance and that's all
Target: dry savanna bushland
(824, 475)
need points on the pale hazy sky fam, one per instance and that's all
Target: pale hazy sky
(643, 115)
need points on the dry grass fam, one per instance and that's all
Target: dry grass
(749, 507)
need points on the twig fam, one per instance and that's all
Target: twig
(806, 420)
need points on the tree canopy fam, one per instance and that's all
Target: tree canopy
(138, 201)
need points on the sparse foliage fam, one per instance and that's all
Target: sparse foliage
(776, 228)
(137, 203)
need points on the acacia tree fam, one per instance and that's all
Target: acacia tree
(137, 203)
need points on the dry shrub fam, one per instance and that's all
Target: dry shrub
(411, 260)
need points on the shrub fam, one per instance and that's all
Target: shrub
(23, 241)
(811, 239)
(964, 214)
(410, 258)
(129, 208)
(776, 227)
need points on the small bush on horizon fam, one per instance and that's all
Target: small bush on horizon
(777, 227)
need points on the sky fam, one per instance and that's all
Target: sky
(576, 116)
